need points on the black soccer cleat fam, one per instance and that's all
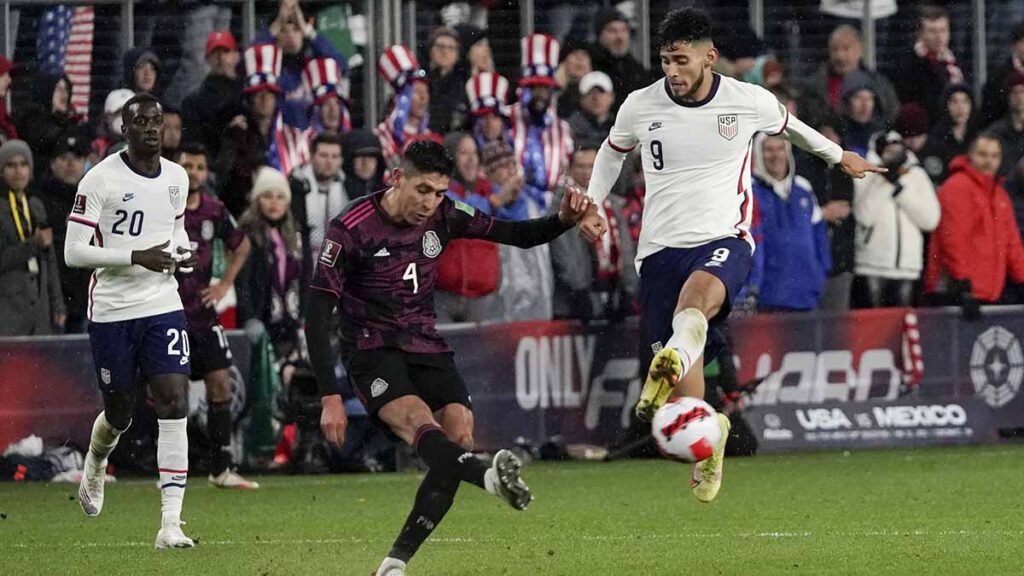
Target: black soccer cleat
(511, 487)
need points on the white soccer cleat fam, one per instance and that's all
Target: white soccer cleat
(504, 474)
(171, 536)
(707, 474)
(90, 488)
(231, 479)
(390, 567)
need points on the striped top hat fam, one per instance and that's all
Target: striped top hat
(262, 68)
(399, 66)
(487, 92)
(323, 78)
(540, 60)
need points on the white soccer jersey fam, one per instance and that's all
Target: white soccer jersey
(696, 160)
(129, 211)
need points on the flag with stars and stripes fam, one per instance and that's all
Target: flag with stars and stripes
(64, 47)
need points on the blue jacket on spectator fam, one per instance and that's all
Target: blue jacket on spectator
(296, 99)
(793, 257)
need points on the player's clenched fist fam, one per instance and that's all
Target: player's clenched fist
(155, 258)
(333, 419)
(574, 205)
(592, 226)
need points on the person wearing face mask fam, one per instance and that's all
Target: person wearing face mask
(269, 284)
(542, 142)
(894, 211)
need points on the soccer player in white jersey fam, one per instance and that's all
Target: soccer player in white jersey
(694, 128)
(131, 206)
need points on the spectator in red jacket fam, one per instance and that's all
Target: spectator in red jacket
(977, 244)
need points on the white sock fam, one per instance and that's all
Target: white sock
(390, 563)
(104, 439)
(172, 460)
(689, 334)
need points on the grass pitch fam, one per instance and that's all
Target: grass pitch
(932, 511)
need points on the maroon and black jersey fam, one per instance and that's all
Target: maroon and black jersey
(208, 222)
(384, 273)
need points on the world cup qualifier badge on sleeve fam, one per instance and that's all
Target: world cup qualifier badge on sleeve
(79, 207)
(329, 253)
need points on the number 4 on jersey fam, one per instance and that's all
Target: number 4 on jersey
(410, 274)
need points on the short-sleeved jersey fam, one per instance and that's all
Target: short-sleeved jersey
(131, 211)
(696, 160)
(384, 273)
(208, 222)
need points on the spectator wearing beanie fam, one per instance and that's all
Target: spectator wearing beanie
(7, 129)
(894, 211)
(951, 134)
(32, 302)
(506, 199)
(1010, 128)
(269, 284)
(912, 125)
(575, 64)
(468, 273)
(611, 55)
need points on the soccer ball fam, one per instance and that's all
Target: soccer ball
(686, 429)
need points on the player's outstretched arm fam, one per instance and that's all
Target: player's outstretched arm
(78, 253)
(816, 143)
(530, 233)
(333, 419)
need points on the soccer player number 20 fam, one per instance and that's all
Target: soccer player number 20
(410, 274)
(134, 224)
(177, 336)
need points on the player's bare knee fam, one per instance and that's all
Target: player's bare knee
(218, 386)
(463, 438)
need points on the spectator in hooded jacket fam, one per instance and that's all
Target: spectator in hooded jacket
(1010, 128)
(468, 272)
(206, 112)
(950, 136)
(860, 118)
(793, 256)
(363, 164)
(45, 117)
(612, 55)
(142, 71)
(977, 245)
(894, 211)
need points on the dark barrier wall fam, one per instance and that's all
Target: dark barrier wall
(830, 380)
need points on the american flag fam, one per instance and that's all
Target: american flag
(65, 47)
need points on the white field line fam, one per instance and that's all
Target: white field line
(484, 540)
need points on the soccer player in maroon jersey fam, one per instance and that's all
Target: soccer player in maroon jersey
(378, 267)
(206, 219)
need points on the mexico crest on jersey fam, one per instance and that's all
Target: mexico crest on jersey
(728, 126)
(431, 244)
(207, 230)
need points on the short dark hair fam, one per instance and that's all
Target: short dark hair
(427, 157)
(192, 149)
(325, 138)
(683, 25)
(140, 98)
(931, 13)
(985, 135)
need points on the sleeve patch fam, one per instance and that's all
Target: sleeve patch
(460, 205)
(79, 207)
(329, 253)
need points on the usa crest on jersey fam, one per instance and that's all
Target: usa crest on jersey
(431, 244)
(728, 126)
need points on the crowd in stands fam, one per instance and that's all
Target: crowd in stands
(270, 132)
